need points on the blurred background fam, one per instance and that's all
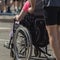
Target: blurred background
(11, 6)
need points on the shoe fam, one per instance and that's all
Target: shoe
(4, 11)
(8, 10)
(7, 45)
(16, 10)
(19, 9)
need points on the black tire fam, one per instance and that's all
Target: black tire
(11, 51)
(23, 44)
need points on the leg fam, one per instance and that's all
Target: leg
(59, 33)
(53, 39)
(58, 26)
(1, 6)
(8, 45)
(52, 28)
(4, 6)
(20, 4)
(16, 5)
(9, 4)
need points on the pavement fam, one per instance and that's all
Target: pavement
(4, 53)
(6, 18)
(4, 37)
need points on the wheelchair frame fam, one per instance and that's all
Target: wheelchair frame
(14, 52)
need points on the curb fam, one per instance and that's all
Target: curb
(5, 29)
(6, 18)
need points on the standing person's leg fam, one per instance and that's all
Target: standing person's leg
(9, 4)
(53, 39)
(4, 6)
(20, 4)
(59, 25)
(1, 6)
(51, 25)
(16, 5)
(59, 33)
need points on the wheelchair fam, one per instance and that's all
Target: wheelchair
(28, 33)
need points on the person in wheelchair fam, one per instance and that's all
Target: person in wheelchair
(7, 45)
(33, 15)
(38, 16)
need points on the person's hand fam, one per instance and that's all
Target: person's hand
(30, 10)
(16, 17)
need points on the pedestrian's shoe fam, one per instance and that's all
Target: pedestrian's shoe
(8, 10)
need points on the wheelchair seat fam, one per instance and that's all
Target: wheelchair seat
(37, 29)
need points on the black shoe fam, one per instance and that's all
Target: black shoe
(16, 10)
(1, 11)
(9, 11)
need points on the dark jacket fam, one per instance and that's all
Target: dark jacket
(55, 3)
(38, 7)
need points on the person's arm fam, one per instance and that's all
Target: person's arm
(24, 11)
(32, 8)
(29, 6)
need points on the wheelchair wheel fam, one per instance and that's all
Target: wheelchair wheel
(23, 43)
(11, 49)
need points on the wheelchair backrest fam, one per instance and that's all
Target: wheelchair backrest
(37, 29)
(42, 38)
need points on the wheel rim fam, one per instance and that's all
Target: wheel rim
(22, 45)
